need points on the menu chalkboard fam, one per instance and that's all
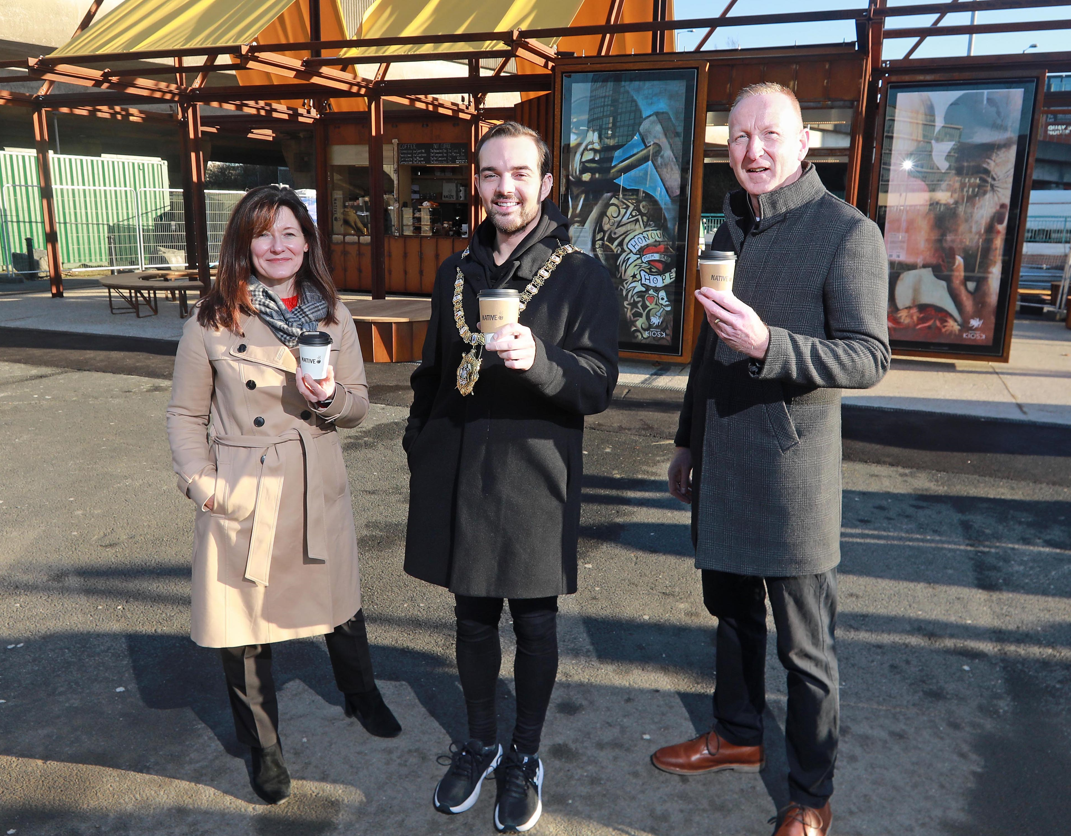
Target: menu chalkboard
(433, 153)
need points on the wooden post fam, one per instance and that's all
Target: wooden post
(375, 190)
(476, 132)
(323, 187)
(193, 192)
(857, 149)
(314, 27)
(867, 121)
(48, 205)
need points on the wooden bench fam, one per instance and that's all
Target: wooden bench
(137, 291)
(390, 330)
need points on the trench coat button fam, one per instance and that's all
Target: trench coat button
(258, 422)
(250, 384)
(241, 348)
(263, 459)
(305, 415)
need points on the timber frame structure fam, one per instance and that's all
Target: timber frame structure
(844, 75)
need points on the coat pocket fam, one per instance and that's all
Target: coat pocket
(237, 477)
(781, 425)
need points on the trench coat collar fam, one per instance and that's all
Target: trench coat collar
(551, 232)
(773, 207)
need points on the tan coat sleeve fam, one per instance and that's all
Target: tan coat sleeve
(350, 404)
(188, 415)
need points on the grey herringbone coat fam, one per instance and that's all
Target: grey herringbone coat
(765, 436)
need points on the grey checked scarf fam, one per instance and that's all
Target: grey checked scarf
(288, 325)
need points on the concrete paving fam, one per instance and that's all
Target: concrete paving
(1034, 386)
(954, 631)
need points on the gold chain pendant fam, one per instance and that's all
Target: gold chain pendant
(469, 370)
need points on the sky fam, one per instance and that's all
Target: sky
(837, 31)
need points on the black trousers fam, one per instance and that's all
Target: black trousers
(251, 687)
(805, 615)
(535, 668)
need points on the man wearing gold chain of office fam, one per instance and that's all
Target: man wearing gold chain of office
(494, 446)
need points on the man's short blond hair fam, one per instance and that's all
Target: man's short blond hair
(765, 88)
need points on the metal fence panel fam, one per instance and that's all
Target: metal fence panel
(163, 228)
(1046, 245)
(220, 206)
(709, 223)
(23, 221)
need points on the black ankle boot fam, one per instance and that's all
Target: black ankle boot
(271, 780)
(372, 713)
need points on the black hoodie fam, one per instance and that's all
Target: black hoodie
(552, 224)
(494, 500)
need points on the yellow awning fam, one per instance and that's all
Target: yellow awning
(292, 27)
(401, 18)
(175, 24)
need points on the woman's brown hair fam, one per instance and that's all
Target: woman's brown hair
(255, 213)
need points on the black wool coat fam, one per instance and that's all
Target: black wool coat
(765, 436)
(494, 496)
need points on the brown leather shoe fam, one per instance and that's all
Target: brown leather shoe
(797, 820)
(708, 753)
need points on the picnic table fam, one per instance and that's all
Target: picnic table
(137, 291)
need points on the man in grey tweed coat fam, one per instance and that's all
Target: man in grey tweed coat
(759, 448)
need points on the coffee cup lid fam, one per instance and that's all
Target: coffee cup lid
(314, 338)
(499, 293)
(717, 255)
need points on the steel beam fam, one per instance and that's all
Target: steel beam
(613, 16)
(533, 52)
(104, 80)
(977, 29)
(7, 97)
(402, 58)
(725, 13)
(975, 6)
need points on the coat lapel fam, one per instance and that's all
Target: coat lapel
(261, 347)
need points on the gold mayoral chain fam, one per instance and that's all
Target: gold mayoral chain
(469, 370)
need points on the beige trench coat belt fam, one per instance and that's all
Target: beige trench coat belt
(270, 490)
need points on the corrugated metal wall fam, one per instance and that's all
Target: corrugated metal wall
(100, 204)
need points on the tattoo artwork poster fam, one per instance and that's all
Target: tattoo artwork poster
(626, 151)
(949, 204)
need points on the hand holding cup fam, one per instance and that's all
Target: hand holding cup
(515, 344)
(316, 391)
(735, 323)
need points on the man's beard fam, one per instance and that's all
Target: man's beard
(528, 213)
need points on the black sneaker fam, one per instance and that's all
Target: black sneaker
(460, 786)
(519, 803)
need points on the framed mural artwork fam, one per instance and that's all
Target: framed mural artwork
(626, 144)
(954, 161)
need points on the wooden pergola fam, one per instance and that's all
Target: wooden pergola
(310, 78)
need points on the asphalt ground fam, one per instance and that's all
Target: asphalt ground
(954, 636)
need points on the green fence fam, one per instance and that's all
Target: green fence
(99, 203)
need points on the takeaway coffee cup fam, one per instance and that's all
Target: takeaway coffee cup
(498, 307)
(314, 351)
(716, 269)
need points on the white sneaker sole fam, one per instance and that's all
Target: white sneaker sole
(528, 825)
(472, 799)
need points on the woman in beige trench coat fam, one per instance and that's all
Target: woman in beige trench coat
(255, 446)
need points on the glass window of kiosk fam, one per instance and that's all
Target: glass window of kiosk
(351, 200)
(433, 188)
(831, 138)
